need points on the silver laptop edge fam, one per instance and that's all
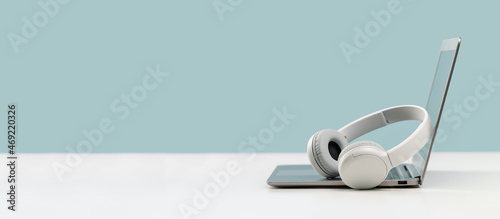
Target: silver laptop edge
(447, 45)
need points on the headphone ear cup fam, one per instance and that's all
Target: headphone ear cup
(359, 144)
(323, 150)
(363, 165)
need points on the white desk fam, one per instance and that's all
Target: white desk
(457, 185)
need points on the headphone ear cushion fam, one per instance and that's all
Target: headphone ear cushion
(323, 149)
(359, 144)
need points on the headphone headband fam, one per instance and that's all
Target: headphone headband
(404, 150)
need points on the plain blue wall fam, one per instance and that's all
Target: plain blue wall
(229, 74)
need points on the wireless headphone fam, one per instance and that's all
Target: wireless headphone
(365, 164)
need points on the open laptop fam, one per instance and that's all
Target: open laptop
(410, 173)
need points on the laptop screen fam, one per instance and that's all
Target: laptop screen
(437, 97)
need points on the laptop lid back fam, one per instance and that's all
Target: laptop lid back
(437, 97)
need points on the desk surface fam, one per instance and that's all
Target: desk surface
(457, 185)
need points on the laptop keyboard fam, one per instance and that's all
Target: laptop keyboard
(399, 172)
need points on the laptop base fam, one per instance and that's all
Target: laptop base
(404, 175)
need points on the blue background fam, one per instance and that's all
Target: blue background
(227, 75)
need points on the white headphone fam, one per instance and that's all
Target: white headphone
(365, 164)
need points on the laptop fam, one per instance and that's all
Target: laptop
(410, 173)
